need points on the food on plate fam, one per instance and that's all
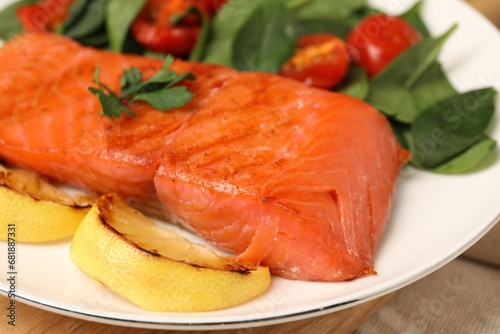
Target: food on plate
(36, 210)
(378, 39)
(157, 30)
(294, 178)
(44, 15)
(321, 61)
(395, 65)
(155, 267)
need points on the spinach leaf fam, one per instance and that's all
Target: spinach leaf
(266, 40)
(98, 39)
(390, 91)
(413, 17)
(470, 159)
(9, 23)
(402, 132)
(451, 126)
(432, 87)
(201, 43)
(355, 83)
(119, 17)
(339, 28)
(337, 10)
(85, 18)
(226, 24)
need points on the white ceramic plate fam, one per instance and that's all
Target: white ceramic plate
(434, 219)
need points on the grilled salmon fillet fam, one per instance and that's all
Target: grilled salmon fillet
(294, 178)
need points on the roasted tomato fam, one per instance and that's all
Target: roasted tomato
(46, 15)
(153, 27)
(378, 39)
(321, 61)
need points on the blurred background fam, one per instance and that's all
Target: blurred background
(489, 8)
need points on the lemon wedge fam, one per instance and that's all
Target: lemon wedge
(33, 210)
(155, 267)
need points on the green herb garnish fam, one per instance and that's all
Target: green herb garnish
(157, 91)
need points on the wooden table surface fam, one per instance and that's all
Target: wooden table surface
(32, 320)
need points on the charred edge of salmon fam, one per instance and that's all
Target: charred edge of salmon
(104, 215)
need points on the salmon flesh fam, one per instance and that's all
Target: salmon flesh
(294, 178)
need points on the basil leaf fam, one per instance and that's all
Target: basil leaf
(9, 23)
(164, 100)
(119, 16)
(451, 126)
(266, 40)
(226, 24)
(355, 83)
(470, 159)
(85, 18)
(390, 90)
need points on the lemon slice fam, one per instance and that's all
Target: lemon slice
(33, 210)
(155, 267)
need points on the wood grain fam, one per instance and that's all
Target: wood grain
(32, 320)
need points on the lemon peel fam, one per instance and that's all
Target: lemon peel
(155, 267)
(37, 210)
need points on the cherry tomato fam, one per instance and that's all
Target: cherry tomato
(46, 15)
(216, 5)
(321, 61)
(378, 39)
(155, 31)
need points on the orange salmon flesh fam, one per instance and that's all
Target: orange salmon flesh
(294, 178)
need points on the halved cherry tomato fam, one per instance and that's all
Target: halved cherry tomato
(46, 15)
(321, 61)
(378, 39)
(155, 31)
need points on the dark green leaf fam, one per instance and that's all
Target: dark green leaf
(390, 90)
(76, 11)
(339, 28)
(98, 39)
(355, 83)
(202, 41)
(402, 132)
(333, 9)
(9, 23)
(226, 24)
(413, 17)
(130, 81)
(164, 100)
(450, 127)
(156, 91)
(470, 159)
(85, 18)
(119, 17)
(432, 87)
(266, 40)
(111, 106)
